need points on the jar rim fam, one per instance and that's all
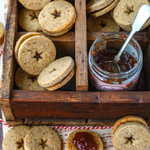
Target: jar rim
(140, 56)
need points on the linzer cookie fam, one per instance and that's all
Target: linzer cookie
(36, 53)
(94, 5)
(2, 30)
(21, 40)
(131, 133)
(28, 20)
(42, 137)
(34, 4)
(14, 138)
(57, 73)
(57, 18)
(103, 23)
(125, 12)
(105, 10)
(25, 81)
(84, 139)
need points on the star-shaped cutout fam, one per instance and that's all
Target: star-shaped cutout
(129, 139)
(43, 143)
(20, 144)
(56, 14)
(33, 78)
(129, 10)
(37, 56)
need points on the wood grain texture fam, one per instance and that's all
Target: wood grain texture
(79, 105)
(56, 122)
(7, 75)
(81, 46)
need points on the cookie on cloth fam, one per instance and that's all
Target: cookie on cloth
(84, 139)
(94, 5)
(42, 137)
(2, 31)
(57, 74)
(103, 23)
(14, 138)
(34, 4)
(21, 40)
(131, 133)
(125, 12)
(36, 53)
(28, 20)
(57, 18)
(105, 10)
(25, 81)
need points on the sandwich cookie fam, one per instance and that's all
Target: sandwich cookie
(57, 18)
(131, 133)
(21, 40)
(25, 81)
(95, 5)
(36, 53)
(34, 4)
(42, 137)
(103, 23)
(84, 139)
(28, 20)
(105, 10)
(57, 74)
(14, 138)
(125, 12)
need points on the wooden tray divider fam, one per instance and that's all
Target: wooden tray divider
(7, 73)
(81, 46)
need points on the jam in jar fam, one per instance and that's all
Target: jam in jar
(104, 48)
(126, 62)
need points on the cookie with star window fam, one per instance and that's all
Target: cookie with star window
(57, 18)
(25, 81)
(36, 53)
(42, 138)
(14, 138)
(130, 133)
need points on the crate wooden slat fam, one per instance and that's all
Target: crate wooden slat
(75, 107)
(81, 46)
(7, 75)
(79, 105)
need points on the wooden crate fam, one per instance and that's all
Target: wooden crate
(78, 105)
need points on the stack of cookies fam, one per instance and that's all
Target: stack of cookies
(53, 18)
(27, 138)
(28, 17)
(57, 18)
(36, 56)
(125, 12)
(98, 8)
(100, 19)
(131, 133)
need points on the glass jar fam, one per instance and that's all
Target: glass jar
(106, 81)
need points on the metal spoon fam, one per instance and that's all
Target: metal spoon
(140, 19)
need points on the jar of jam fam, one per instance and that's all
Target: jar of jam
(106, 47)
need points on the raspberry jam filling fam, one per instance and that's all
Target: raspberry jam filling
(84, 141)
(126, 63)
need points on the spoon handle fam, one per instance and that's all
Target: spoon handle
(140, 19)
(117, 57)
